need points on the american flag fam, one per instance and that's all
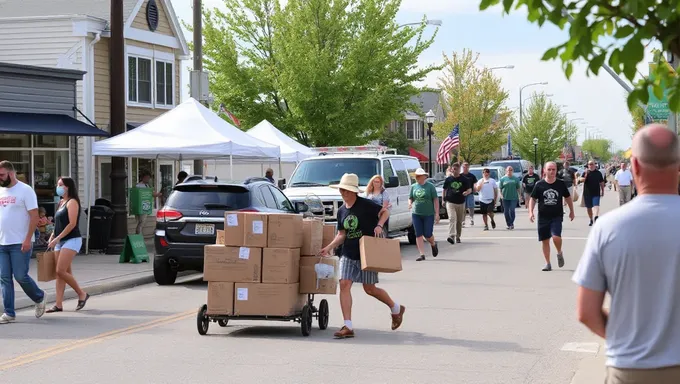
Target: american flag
(451, 142)
(231, 115)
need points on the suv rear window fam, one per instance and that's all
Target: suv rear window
(209, 197)
(516, 166)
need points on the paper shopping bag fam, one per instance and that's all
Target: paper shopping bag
(47, 266)
(575, 196)
(379, 254)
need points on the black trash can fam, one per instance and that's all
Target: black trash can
(100, 217)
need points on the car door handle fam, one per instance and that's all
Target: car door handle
(397, 200)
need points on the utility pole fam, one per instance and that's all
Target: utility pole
(198, 58)
(117, 124)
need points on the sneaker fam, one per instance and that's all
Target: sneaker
(512, 227)
(493, 224)
(421, 258)
(547, 268)
(472, 223)
(458, 240)
(344, 333)
(560, 260)
(40, 308)
(450, 240)
(6, 319)
(398, 318)
(595, 221)
(435, 249)
(591, 223)
(486, 228)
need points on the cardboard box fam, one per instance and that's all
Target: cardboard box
(255, 231)
(380, 254)
(267, 299)
(312, 237)
(220, 298)
(233, 229)
(329, 232)
(220, 237)
(47, 266)
(284, 230)
(235, 264)
(308, 282)
(281, 265)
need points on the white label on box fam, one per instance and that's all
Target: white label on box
(244, 253)
(242, 294)
(232, 220)
(258, 227)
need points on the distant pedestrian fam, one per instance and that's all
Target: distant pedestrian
(624, 181)
(567, 175)
(488, 195)
(423, 201)
(593, 189)
(269, 175)
(18, 220)
(528, 182)
(633, 253)
(456, 189)
(144, 180)
(66, 241)
(181, 176)
(510, 187)
(470, 199)
(356, 218)
(549, 194)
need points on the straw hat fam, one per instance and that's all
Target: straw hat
(421, 172)
(348, 182)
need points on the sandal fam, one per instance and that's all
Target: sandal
(81, 303)
(54, 309)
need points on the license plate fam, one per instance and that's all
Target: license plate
(205, 229)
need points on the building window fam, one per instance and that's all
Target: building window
(415, 129)
(164, 77)
(139, 80)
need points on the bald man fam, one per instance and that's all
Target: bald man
(633, 253)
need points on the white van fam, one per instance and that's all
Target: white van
(313, 176)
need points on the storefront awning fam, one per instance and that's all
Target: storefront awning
(418, 155)
(46, 124)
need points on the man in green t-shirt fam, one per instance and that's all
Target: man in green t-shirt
(423, 201)
(510, 189)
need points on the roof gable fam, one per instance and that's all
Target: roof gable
(32, 8)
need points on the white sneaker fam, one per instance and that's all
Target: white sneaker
(40, 307)
(6, 319)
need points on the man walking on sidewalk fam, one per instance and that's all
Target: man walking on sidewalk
(634, 254)
(18, 220)
(456, 189)
(470, 199)
(358, 217)
(593, 189)
(510, 187)
(624, 181)
(528, 182)
(488, 194)
(549, 194)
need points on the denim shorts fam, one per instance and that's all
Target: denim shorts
(548, 228)
(73, 244)
(470, 201)
(423, 225)
(592, 201)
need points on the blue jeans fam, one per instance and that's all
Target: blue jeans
(14, 262)
(509, 207)
(423, 225)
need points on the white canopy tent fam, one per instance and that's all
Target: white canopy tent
(291, 150)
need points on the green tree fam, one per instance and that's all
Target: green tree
(543, 120)
(328, 72)
(476, 102)
(397, 140)
(615, 32)
(598, 148)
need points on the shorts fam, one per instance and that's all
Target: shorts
(548, 228)
(73, 244)
(592, 201)
(423, 225)
(486, 207)
(470, 201)
(350, 269)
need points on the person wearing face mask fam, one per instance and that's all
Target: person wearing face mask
(66, 241)
(18, 220)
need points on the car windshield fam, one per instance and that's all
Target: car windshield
(514, 164)
(209, 197)
(493, 172)
(323, 172)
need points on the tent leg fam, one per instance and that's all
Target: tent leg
(280, 169)
(231, 167)
(89, 208)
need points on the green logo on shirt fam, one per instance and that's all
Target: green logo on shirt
(419, 193)
(351, 224)
(456, 186)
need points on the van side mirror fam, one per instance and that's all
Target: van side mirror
(301, 207)
(392, 182)
(281, 184)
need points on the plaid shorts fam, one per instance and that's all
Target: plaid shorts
(351, 270)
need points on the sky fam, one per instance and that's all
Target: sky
(502, 40)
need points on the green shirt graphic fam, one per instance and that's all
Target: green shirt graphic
(509, 186)
(422, 197)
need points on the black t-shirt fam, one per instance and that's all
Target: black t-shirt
(471, 176)
(568, 176)
(591, 186)
(549, 197)
(530, 181)
(358, 221)
(454, 188)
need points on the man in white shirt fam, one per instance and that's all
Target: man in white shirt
(488, 193)
(624, 181)
(18, 220)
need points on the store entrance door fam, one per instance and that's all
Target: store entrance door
(166, 181)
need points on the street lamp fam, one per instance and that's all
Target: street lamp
(429, 118)
(520, 98)
(535, 96)
(535, 151)
(503, 67)
(437, 23)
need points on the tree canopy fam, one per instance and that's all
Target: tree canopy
(328, 72)
(476, 101)
(614, 32)
(598, 148)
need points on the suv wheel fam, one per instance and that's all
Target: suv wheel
(411, 235)
(163, 274)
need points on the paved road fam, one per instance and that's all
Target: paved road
(482, 312)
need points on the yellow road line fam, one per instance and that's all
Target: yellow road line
(69, 346)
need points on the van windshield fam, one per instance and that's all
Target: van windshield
(514, 164)
(323, 172)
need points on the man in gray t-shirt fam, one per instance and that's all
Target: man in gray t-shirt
(633, 253)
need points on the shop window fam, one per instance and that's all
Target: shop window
(49, 166)
(22, 163)
(139, 80)
(164, 81)
(49, 141)
(12, 140)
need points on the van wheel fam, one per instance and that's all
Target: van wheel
(411, 235)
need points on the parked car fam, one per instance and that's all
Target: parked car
(195, 211)
(495, 173)
(439, 185)
(519, 167)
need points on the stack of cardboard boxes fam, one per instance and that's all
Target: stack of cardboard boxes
(263, 264)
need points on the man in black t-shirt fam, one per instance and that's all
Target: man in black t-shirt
(549, 194)
(593, 189)
(358, 217)
(456, 189)
(470, 199)
(568, 176)
(528, 182)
